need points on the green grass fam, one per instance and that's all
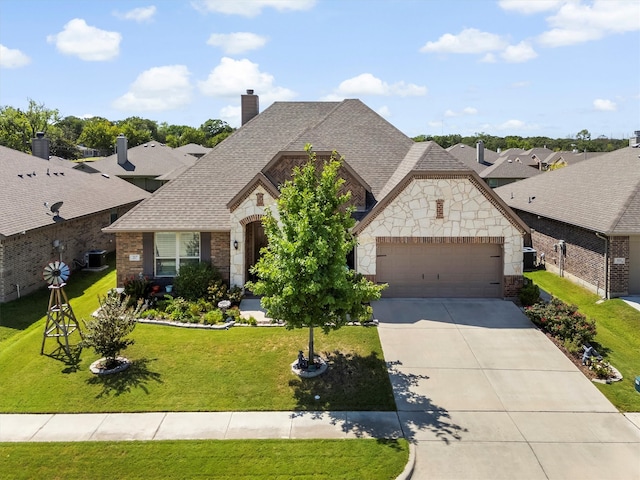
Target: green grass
(618, 337)
(82, 290)
(221, 459)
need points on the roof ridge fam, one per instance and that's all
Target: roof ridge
(625, 206)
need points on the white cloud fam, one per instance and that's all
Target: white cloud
(238, 42)
(367, 84)
(12, 58)
(522, 52)
(604, 105)
(231, 114)
(513, 126)
(522, 84)
(157, 89)
(489, 58)
(384, 111)
(465, 111)
(469, 40)
(86, 42)
(251, 8)
(232, 77)
(530, 6)
(142, 14)
(577, 23)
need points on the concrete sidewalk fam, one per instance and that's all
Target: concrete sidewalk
(197, 426)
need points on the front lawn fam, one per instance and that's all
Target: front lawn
(183, 369)
(215, 459)
(618, 337)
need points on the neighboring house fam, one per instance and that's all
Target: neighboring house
(562, 159)
(585, 220)
(33, 233)
(478, 158)
(508, 169)
(193, 149)
(428, 225)
(148, 166)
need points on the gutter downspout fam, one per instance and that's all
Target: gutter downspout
(606, 264)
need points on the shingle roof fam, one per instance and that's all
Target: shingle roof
(23, 194)
(197, 199)
(468, 155)
(506, 167)
(600, 194)
(151, 159)
(193, 149)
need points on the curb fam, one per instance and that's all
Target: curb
(411, 463)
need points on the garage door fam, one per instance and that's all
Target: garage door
(440, 270)
(634, 265)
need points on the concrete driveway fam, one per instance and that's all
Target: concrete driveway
(485, 395)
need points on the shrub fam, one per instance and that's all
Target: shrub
(107, 332)
(563, 321)
(216, 292)
(213, 316)
(529, 294)
(194, 279)
(235, 295)
(137, 287)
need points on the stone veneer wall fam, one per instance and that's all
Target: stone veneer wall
(466, 212)
(247, 211)
(24, 256)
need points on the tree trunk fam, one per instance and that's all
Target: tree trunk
(311, 352)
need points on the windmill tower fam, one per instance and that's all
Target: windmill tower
(61, 322)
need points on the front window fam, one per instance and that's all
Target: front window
(174, 249)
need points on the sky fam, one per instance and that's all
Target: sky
(435, 67)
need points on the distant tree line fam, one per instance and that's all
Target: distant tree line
(581, 141)
(18, 128)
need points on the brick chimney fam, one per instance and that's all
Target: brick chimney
(121, 149)
(250, 106)
(40, 146)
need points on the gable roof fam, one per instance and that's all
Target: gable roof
(197, 199)
(430, 160)
(28, 182)
(600, 194)
(193, 149)
(152, 159)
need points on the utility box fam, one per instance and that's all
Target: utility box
(96, 258)
(529, 258)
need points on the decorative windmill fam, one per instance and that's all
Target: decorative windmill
(61, 322)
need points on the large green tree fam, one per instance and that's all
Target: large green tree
(99, 133)
(19, 127)
(302, 274)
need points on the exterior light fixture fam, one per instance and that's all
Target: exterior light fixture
(235, 244)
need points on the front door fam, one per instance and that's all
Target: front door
(255, 241)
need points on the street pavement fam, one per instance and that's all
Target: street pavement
(480, 392)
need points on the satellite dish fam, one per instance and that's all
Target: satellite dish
(56, 273)
(55, 208)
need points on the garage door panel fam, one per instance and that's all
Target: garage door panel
(440, 270)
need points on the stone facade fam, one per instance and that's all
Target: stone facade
(247, 211)
(24, 256)
(447, 209)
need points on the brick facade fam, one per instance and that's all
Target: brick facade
(282, 169)
(131, 244)
(24, 256)
(583, 260)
